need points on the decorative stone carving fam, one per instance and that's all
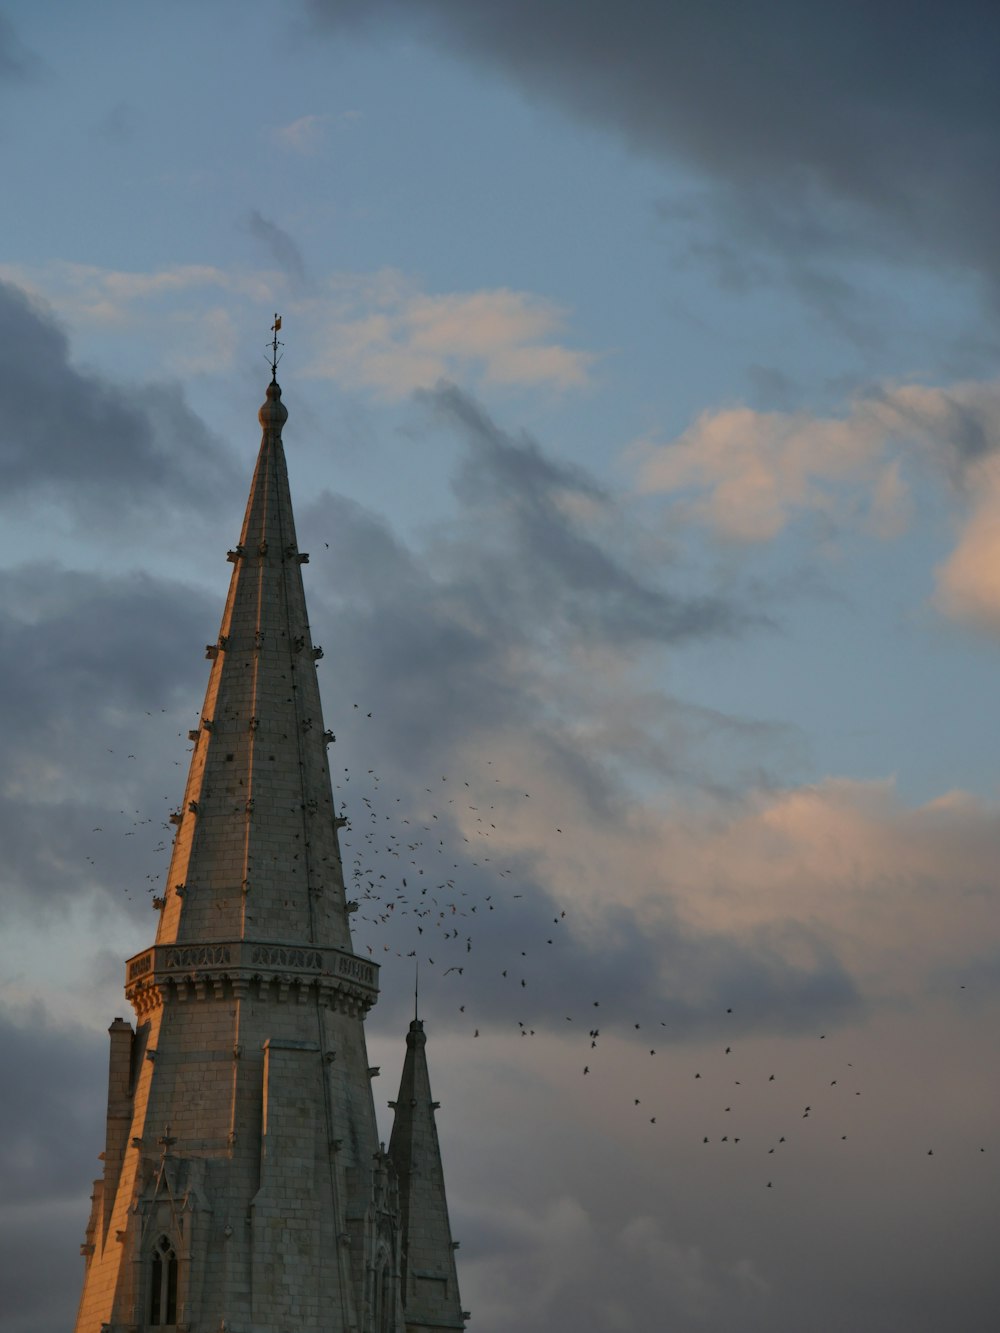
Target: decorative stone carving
(140, 966)
(278, 956)
(198, 955)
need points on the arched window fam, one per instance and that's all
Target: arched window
(163, 1284)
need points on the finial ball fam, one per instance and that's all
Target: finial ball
(273, 413)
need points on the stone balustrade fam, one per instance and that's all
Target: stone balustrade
(221, 969)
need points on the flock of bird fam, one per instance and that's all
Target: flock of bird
(481, 925)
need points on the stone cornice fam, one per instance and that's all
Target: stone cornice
(221, 968)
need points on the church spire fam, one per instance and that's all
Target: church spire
(428, 1276)
(256, 852)
(266, 1202)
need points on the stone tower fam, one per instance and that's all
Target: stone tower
(244, 1186)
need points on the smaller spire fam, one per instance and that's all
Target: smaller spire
(430, 1283)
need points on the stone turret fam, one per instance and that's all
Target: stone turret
(429, 1279)
(244, 1186)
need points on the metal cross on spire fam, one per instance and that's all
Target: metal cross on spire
(275, 344)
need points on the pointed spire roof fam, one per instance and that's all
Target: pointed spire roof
(256, 854)
(430, 1282)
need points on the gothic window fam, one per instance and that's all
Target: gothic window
(163, 1285)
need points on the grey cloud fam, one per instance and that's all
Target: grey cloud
(398, 641)
(51, 1130)
(973, 354)
(672, 980)
(710, 1254)
(962, 430)
(280, 246)
(643, 1266)
(457, 646)
(55, 1100)
(474, 636)
(17, 63)
(771, 388)
(969, 431)
(42, 1271)
(115, 640)
(558, 563)
(642, 987)
(119, 125)
(751, 237)
(93, 446)
(97, 669)
(883, 115)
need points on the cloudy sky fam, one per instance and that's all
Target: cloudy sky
(642, 370)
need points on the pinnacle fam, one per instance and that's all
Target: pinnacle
(416, 1156)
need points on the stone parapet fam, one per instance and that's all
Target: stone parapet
(222, 969)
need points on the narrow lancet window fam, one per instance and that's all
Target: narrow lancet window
(163, 1285)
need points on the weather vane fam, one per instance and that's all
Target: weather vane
(275, 344)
